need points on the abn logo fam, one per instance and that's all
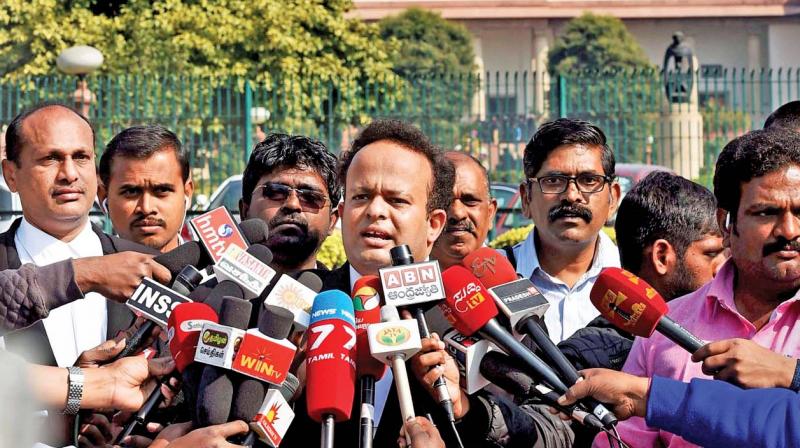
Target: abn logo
(366, 298)
(225, 230)
(393, 336)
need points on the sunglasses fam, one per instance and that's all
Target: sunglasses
(309, 199)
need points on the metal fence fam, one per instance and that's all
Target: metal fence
(491, 116)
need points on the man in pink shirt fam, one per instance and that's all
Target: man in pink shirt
(751, 305)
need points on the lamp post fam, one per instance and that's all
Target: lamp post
(80, 60)
(258, 116)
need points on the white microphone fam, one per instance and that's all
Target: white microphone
(392, 342)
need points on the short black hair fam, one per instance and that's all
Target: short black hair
(565, 131)
(663, 206)
(141, 142)
(752, 155)
(440, 192)
(14, 138)
(477, 162)
(283, 150)
(786, 116)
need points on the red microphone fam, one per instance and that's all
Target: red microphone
(183, 330)
(524, 306)
(631, 304)
(470, 309)
(490, 267)
(330, 361)
(367, 307)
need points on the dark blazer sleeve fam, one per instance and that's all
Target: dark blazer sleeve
(29, 293)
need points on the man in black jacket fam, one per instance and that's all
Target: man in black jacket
(397, 187)
(50, 164)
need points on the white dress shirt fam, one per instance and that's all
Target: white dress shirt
(570, 308)
(80, 325)
(383, 385)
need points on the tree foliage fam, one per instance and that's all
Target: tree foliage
(596, 43)
(257, 39)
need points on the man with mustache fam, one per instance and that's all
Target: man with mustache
(146, 186)
(569, 193)
(290, 182)
(50, 163)
(751, 307)
(470, 215)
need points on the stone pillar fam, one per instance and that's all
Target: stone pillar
(479, 96)
(679, 135)
(541, 46)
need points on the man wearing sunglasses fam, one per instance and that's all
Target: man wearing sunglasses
(569, 193)
(290, 182)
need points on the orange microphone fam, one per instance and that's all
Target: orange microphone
(632, 305)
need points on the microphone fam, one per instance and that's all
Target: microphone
(391, 342)
(254, 230)
(265, 357)
(502, 371)
(330, 364)
(183, 330)
(525, 306)
(401, 256)
(215, 389)
(189, 253)
(366, 304)
(470, 311)
(187, 280)
(249, 268)
(275, 415)
(217, 231)
(468, 351)
(297, 296)
(632, 305)
(274, 323)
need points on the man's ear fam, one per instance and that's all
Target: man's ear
(615, 192)
(102, 195)
(724, 223)
(524, 199)
(10, 174)
(188, 190)
(662, 257)
(334, 220)
(492, 211)
(436, 221)
(243, 208)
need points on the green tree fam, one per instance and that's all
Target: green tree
(603, 75)
(596, 43)
(435, 58)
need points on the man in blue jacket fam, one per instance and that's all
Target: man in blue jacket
(706, 412)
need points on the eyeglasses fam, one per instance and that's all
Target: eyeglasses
(557, 183)
(309, 199)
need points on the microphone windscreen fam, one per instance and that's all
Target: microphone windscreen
(188, 253)
(250, 395)
(501, 370)
(275, 322)
(183, 329)
(366, 305)
(467, 305)
(235, 312)
(389, 313)
(225, 288)
(629, 302)
(490, 267)
(330, 361)
(289, 387)
(254, 230)
(215, 392)
(261, 252)
(200, 294)
(310, 280)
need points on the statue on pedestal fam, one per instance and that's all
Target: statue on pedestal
(678, 80)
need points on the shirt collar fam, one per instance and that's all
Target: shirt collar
(721, 290)
(605, 254)
(44, 248)
(354, 276)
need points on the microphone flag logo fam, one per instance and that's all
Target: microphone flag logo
(393, 336)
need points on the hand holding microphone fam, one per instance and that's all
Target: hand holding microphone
(433, 362)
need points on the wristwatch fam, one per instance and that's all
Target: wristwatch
(74, 391)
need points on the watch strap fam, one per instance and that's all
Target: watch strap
(74, 390)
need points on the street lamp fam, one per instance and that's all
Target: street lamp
(80, 60)
(258, 116)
